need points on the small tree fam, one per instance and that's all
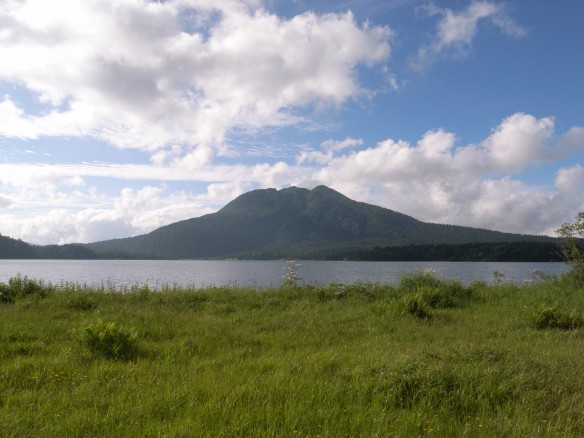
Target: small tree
(572, 245)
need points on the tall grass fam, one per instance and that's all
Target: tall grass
(337, 360)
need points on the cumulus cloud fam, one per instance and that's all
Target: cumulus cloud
(90, 216)
(519, 141)
(153, 75)
(572, 141)
(5, 201)
(437, 180)
(225, 192)
(455, 31)
(571, 179)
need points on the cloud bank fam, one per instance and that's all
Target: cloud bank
(180, 73)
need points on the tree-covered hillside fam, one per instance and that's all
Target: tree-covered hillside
(17, 249)
(296, 223)
(466, 252)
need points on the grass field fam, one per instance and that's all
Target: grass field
(426, 357)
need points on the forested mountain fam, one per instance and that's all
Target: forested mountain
(17, 249)
(296, 223)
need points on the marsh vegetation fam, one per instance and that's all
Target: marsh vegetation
(424, 357)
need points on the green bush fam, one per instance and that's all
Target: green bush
(110, 341)
(554, 318)
(26, 286)
(20, 286)
(431, 292)
(445, 297)
(417, 306)
(7, 295)
(413, 282)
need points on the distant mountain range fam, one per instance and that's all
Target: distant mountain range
(296, 223)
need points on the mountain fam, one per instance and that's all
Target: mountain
(17, 249)
(295, 223)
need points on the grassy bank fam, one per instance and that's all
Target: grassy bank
(426, 357)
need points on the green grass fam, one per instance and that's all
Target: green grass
(336, 361)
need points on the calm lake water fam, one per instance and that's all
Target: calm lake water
(203, 273)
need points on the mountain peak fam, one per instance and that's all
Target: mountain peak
(294, 223)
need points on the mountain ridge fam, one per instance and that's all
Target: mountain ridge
(295, 223)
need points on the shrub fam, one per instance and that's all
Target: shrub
(432, 292)
(7, 295)
(447, 296)
(334, 291)
(417, 306)
(22, 286)
(554, 318)
(110, 341)
(26, 286)
(413, 282)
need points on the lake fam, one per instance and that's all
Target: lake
(204, 273)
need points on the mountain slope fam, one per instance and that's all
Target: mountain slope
(17, 249)
(295, 223)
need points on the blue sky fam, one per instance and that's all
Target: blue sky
(118, 117)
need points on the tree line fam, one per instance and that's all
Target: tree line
(465, 252)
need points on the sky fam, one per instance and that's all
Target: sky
(121, 116)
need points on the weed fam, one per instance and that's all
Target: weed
(498, 277)
(538, 275)
(413, 282)
(20, 286)
(110, 341)
(291, 277)
(334, 291)
(416, 306)
(431, 292)
(553, 318)
(7, 295)
(82, 302)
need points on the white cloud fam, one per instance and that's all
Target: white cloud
(333, 145)
(519, 141)
(5, 201)
(63, 218)
(456, 30)
(330, 147)
(151, 75)
(571, 179)
(223, 193)
(438, 181)
(572, 141)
